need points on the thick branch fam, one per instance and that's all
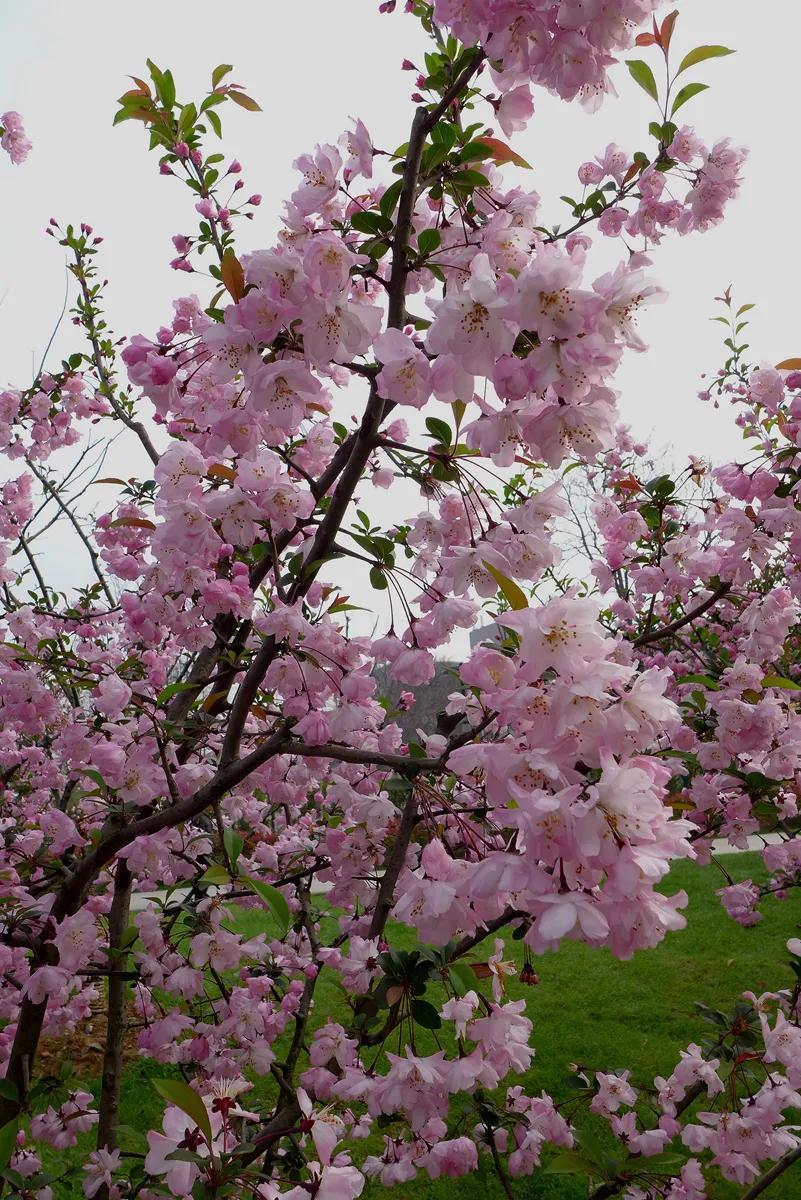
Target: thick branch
(371, 758)
(768, 1178)
(246, 694)
(397, 858)
(424, 122)
(115, 1011)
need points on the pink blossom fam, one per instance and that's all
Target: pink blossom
(405, 375)
(13, 139)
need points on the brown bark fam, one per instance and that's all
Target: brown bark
(115, 1010)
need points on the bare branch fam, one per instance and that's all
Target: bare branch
(657, 634)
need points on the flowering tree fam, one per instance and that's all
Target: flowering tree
(198, 723)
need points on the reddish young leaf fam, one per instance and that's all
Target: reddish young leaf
(220, 471)
(232, 274)
(243, 100)
(632, 171)
(628, 484)
(133, 522)
(666, 32)
(501, 153)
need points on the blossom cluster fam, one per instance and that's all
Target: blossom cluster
(203, 723)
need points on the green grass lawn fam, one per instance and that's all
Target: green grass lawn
(587, 1008)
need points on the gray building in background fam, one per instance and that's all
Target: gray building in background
(430, 699)
(486, 633)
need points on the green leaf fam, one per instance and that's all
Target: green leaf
(8, 1090)
(667, 1163)
(462, 979)
(687, 93)
(8, 1140)
(642, 74)
(467, 180)
(167, 90)
(275, 901)
(701, 54)
(705, 680)
(185, 1098)
(171, 690)
(129, 936)
(187, 118)
(94, 775)
(233, 846)
(661, 488)
(390, 198)
(440, 430)
(370, 222)
(780, 682)
(445, 133)
(425, 1014)
(570, 1162)
(378, 579)
(216, 875)
(219, 73)
(428, 241)
(475, 151)
(514, 594)
(183, 1156)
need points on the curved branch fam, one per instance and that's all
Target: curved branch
(53, 491)
(768, 1178)
(656, 634)
(370, 758)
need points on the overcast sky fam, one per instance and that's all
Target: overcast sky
(314, 64)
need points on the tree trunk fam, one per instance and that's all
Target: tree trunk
(115, 1011)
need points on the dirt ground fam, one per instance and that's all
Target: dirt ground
(84, 1047)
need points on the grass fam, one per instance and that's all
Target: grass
(587, 1008)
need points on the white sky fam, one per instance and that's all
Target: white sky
(313, 65)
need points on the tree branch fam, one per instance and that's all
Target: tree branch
(115, 1012)
(52, 490)
(656, 634)
(397, 858)
(371, 758)
(764, 1181)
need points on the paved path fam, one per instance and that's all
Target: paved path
(755, 842)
